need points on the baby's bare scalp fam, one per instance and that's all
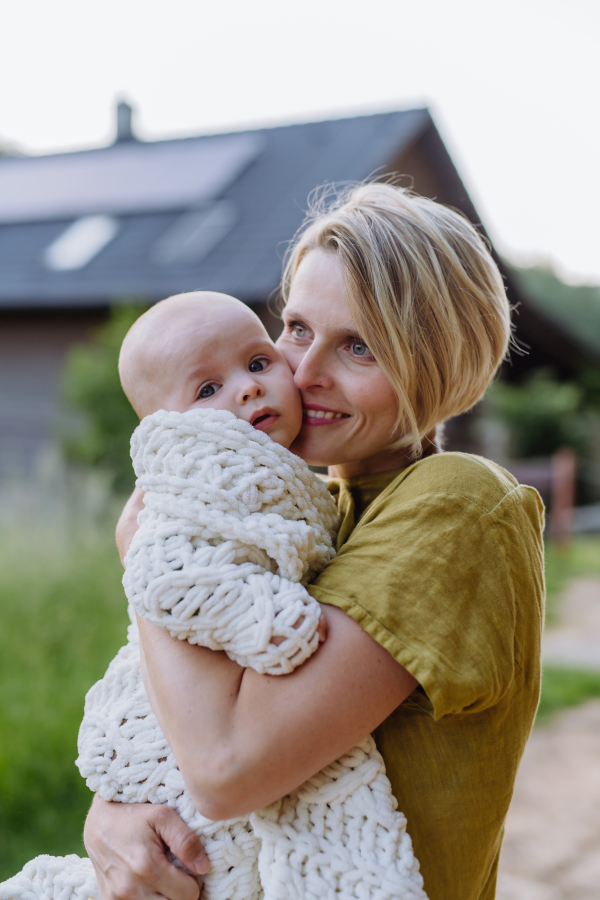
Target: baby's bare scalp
(161, 336)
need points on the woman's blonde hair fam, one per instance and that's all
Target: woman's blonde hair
(425, 294)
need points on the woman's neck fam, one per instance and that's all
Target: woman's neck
(386, 461)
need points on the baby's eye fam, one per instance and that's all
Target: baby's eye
(257, 365)
(207, 391)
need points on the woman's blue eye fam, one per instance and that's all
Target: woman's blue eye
(299, 331)
(257, 365)
(207, 391)
(359, 348)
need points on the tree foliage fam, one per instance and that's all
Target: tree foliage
(542, 414)
(576, 306)
(101, 418)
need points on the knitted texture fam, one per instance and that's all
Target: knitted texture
(340, 834)
(233, 525)
(57, 877)
(125, 757)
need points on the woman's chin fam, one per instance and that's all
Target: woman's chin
(313, 451)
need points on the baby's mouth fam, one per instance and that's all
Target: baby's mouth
(264, 418)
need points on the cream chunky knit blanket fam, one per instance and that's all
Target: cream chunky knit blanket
(233, 528)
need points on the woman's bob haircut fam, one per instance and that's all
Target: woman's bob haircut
(424, 291)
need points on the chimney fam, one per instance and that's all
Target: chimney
(124, 117)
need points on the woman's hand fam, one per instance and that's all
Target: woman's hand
(128, 523)
(128, 844)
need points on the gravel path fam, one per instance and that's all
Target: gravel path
(552, 845)
(575, 639)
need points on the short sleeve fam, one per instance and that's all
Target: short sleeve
(437, 570)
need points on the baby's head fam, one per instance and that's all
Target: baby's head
(209, 351)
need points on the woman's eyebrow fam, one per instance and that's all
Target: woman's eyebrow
(290, 313)
(348, 329)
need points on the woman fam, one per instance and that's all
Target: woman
(396, 319)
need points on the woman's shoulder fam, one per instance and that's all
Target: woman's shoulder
(475, 481)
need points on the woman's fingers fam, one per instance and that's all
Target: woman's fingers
(183, 843)
(322, 629)
(128, 845)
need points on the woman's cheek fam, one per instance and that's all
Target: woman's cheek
(375, 398)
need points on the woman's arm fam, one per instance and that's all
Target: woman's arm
(243, 740)
(127, 842)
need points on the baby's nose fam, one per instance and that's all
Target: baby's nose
(252, 390)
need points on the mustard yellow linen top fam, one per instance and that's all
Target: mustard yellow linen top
(442, 563)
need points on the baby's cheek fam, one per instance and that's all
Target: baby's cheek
(295, 406)
(292, 425)
(288, 392)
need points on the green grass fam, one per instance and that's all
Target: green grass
(63, 616)
(62, 620)
(581, 557)
(565, 687)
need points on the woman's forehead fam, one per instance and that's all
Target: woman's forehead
(318, 291)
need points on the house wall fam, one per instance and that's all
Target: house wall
(33, 347)
(33, 351)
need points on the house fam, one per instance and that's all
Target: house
(143, 220)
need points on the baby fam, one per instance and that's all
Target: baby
(234, 525)
(210, 351)
(205, 350)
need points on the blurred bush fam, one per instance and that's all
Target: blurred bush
(100, 418)
(574, 306)
(63, 619)
(542, 415)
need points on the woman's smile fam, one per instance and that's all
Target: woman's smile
(320, 415)
(340, 381)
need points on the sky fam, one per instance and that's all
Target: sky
(513, 86)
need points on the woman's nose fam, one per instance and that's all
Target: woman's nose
(313, 370)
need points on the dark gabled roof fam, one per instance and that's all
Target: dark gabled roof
(236, 199)
(265, 201)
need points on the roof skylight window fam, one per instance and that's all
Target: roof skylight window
(80, 243)
(194, 234)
